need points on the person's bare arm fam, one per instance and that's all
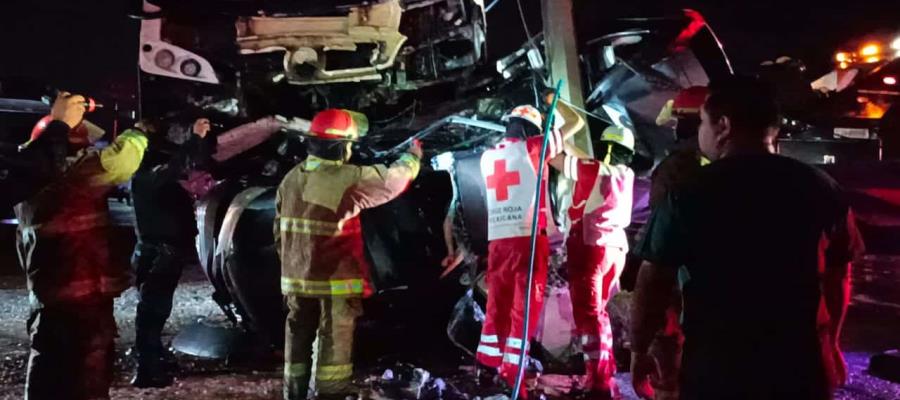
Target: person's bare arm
(652, 292)
(836, 290)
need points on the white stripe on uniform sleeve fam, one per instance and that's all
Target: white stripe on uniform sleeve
(559, 141)
(551, 147)
(571, 168)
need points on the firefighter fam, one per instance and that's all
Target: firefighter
(166, 230)
(685, 160)
(319, 241)
(64, 244)
(509, 173)
(596, 248)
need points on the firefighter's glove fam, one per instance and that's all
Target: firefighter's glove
(68, 108)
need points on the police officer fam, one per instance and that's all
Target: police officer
(166, 228)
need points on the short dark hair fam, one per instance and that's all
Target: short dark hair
(748, 102)
(333, 150)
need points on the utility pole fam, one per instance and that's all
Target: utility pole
(562, 56)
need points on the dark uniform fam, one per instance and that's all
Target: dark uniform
(166, 228)
(65, 245)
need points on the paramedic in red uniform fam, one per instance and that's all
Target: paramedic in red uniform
(596, 247)
(509, 173)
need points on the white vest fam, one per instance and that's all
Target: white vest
(509, 178)
(608, 209)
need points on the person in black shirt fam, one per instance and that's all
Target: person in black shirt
(166, 229)
(767, 242)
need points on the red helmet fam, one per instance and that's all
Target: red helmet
(689, 101)
(334, 124)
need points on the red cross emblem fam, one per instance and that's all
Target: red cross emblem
(501, 180)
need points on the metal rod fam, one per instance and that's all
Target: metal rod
(534, 226)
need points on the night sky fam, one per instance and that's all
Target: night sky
(81, 47)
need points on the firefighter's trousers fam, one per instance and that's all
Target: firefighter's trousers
(507, 280)
(593, 273)
(72, 350)
(158, 268)
(328, 323)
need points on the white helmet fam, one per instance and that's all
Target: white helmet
(528, 113)
(618, 135)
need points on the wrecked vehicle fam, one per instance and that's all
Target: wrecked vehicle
(248, 48)
(630, 72)
(258, 70)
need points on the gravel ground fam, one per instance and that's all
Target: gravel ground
(872, 327)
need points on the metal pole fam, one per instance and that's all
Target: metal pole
(562, 56)
(548, 124)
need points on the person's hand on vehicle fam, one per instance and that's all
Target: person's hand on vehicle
(415, 148)
(201, 127)
(454, 259)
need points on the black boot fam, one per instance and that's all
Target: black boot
(153, 371)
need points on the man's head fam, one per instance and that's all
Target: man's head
(740, 115)
(333, 132)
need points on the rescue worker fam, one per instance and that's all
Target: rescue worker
(166, 229)
(679, 168)
(596, 248)
(319, 241)
(509, 173)
(685, 159)
(64, 245)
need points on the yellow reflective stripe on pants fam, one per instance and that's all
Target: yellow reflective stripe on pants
(296, 369)
(334, 372)
(335, 287)
(310, 226)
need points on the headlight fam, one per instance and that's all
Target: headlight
(870, 50)
(190, 68)
(164, 59)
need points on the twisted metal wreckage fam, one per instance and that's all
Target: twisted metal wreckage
(418, 69)
(391, 60)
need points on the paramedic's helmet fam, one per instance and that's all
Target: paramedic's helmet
(618, 135)
(335, 124)
(527, 113)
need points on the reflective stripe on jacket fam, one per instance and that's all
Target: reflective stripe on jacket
(318, 234)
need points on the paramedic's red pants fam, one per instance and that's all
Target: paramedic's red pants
(507, 277)
(593, 272)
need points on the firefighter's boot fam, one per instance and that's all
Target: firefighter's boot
(153, 370)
